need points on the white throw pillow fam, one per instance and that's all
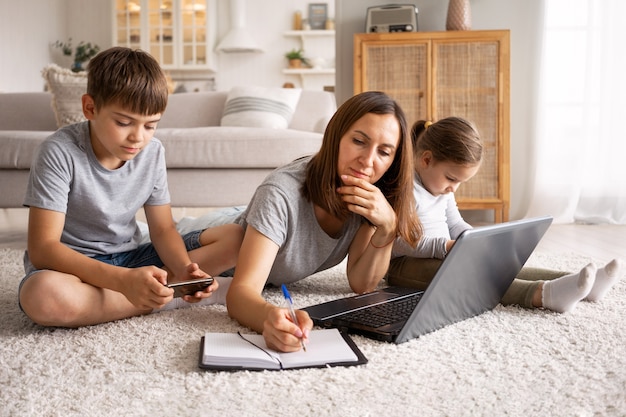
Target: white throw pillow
(260, 107)
(67, 88)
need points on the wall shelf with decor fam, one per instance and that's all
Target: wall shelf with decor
(454, 73)
(319, 50)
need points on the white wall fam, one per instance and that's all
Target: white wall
(28, 27)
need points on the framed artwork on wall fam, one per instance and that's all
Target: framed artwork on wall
(318, 13)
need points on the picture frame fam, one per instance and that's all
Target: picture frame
(318, 13)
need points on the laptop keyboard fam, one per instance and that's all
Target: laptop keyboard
(383, 314)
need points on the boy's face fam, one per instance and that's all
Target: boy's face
(442, 177)
(117, 135)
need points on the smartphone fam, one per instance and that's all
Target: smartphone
(190, 287)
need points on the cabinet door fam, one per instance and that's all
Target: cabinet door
(466, 84)
(194, 26)
(178, 33)
(162, 34)
(128, 24)
(400, 69)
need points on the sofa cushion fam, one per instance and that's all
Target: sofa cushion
(260, 107)
(67, 88)
(18, 110)
(19, 146)
(235, 147)
(204, 108)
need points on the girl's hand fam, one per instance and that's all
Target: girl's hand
(367, 200)
(281, 334)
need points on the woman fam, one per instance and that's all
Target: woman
(354, 197)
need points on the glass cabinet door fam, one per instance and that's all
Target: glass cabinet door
(161, 31)
(128, 24)
(175, 32)
(194, 32)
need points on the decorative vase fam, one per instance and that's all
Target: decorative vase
(77, 66)
(295, 63)
(459, 15)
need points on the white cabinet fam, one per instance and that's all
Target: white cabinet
(178, 33)
(319, 49)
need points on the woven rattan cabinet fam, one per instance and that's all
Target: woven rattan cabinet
(439, 74)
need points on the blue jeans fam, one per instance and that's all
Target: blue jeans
(144, 255)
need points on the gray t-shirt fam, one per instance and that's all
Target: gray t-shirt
(279, 211)
(99, 204)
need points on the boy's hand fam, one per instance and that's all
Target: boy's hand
(193, 271)
(145, 287)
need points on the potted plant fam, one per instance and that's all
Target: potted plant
(296, 58)
(83, 52)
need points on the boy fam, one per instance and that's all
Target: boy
(83, 262)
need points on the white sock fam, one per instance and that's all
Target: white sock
(606, 277)
(218, 297)
(562, 294)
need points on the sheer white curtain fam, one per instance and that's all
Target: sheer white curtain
(580, 149)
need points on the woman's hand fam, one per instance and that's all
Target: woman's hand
(367, 200)
(282, 334)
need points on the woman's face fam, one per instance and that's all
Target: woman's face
(369, 147)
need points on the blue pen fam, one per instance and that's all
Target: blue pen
(292, 312)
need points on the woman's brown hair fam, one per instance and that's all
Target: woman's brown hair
(322, 178)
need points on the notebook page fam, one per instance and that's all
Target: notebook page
(324, 346)
(229, 349)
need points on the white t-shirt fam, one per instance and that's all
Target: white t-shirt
(441, 221)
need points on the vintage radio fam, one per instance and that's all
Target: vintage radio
(391, 18)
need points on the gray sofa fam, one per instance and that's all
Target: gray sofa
(208, 165)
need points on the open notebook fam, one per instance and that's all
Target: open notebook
(236, 351)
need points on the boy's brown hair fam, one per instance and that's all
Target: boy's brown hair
(132, 79)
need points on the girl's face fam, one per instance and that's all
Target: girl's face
(442, 177)
(369, 147)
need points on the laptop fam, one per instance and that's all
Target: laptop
(470, 281)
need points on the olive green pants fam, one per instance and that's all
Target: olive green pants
(411, 272)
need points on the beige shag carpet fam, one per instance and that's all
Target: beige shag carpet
(507, 362)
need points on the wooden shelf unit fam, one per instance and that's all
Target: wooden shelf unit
(454, 73)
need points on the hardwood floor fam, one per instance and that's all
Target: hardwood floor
(601, 242)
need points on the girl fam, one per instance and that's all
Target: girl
(447, 154)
